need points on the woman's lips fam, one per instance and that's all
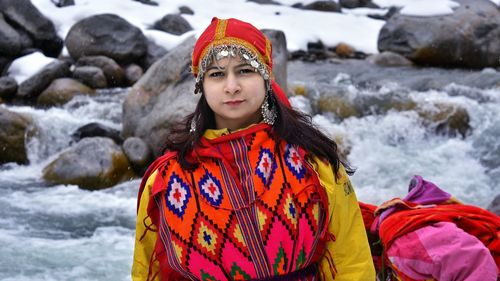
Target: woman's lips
(234, 102)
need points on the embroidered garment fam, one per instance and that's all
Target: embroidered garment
(249, 212)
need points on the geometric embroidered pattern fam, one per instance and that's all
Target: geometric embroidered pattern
(293, 162)
(290, 210)
(177, 195)
(211, 188)
(207, 277)
(266, 166)
(238, 274)
(280, 262)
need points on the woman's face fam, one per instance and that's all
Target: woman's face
(235, 92)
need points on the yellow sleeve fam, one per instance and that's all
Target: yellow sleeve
(144, 247)
(350, 251)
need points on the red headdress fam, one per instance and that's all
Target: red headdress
(233, 32)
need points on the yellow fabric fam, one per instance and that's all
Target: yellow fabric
(144, 248)
(350, 251)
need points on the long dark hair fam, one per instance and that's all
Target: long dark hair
(291, 125)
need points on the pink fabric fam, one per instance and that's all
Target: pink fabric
(444, 252)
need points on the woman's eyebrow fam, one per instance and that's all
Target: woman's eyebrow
(215, 67)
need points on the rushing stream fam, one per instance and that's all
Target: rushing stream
(65, 233)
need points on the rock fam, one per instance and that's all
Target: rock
(338, 105)
(133, 73)
(92, 163)
(8, 87)
(265, 2)
(494, 207)
(323, 6)
(4, 64)
(33, 86)
(186, 10)
(448, 119)
(61, 91)
(344, 50)
(155, 52)
(23, 14)
(138, 153)
(64, 3)
(106, 35)
(351, 4)
(10, 41)
(174, 24)
(13, 131)
(389, 59)
(280, 56)
(97, 130)
(115, 76)
(148, 2)
(91, 76)
(160, 98)
(470, 37)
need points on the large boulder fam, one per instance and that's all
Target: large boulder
(161, 97)
(470, 37)
(10, 40)
(280, 56)
(106, 35)
(92, 163)
(33, 86)
(13, 131)
(97, 130)
(25, 16)
(61, 91)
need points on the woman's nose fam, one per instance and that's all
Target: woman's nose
(232, 85)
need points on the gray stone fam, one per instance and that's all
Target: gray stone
(106, 35)
(133, 72)
(91, 76)
(97, 130)
(161, 97)
(323, 6)
(280, 56)
(155, 52)
(115, 76)
(8, 87)
(92, 163)
(186, 10)
(13, 132)
(33, 86)
(470, 37)
(174, 24)
(64, 3)
(351, 4)
(389, 59)
(10, 41)
(26, 16)
(61, 91)
(138, 153)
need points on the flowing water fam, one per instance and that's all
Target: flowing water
(65, 233)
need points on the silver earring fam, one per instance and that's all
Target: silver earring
(269, 115)
(192, 127)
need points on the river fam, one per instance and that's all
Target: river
(65, 233)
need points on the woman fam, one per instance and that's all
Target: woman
(248, 188)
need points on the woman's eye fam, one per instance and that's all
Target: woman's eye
(246, 70)
(216, 74)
